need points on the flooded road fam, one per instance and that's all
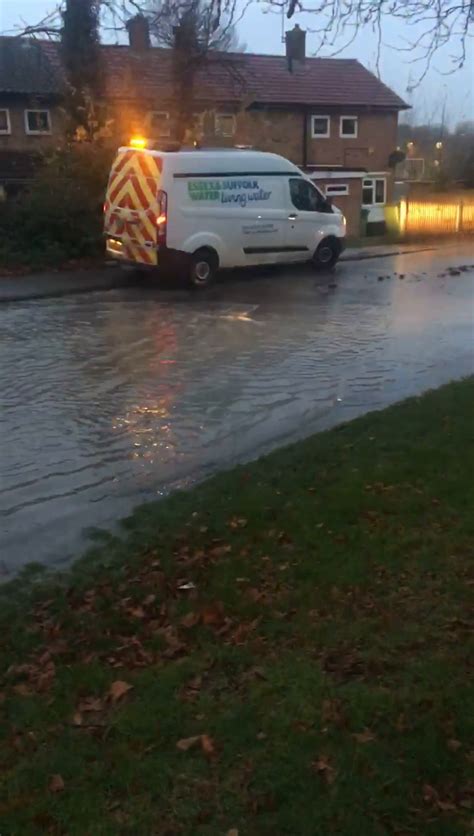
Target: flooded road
(112, 398)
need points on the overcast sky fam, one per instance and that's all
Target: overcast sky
(455, 92)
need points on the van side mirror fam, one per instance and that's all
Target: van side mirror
(329, 201)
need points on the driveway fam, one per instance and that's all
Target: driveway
(116, 397)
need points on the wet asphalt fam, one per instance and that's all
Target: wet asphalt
(115, 397)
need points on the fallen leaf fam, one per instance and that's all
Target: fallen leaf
(220, 551)
(195, 684)
(237, 522)
(208, 746)
(446, 806)
(324, 768)
(77, 719)
(454, 745)
(232, 832)
(118, 689)
(56, 783)
(91, 704)
(188, 743)
(190, 620)
(429, 793)
(213, 614)
(22, 689)
(364, 737)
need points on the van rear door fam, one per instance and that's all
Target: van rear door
(132, 206)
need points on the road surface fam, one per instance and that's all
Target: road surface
(112, 398)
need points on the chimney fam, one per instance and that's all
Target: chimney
(139, 33)
(295, 46)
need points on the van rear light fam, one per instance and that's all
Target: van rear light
(162, 218)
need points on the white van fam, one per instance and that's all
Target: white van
(210, 209)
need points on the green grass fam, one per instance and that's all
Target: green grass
(311, 614)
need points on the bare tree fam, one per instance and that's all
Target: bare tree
(194, 30)
(437, 23)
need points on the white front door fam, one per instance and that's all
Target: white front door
(309, 219)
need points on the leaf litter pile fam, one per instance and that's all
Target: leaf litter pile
(286, 649)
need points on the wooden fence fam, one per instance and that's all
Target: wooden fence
(436, 217)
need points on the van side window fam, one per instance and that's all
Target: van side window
(306, 197)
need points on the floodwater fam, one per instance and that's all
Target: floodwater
(112, 398)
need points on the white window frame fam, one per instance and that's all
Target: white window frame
(164, 113)
(216, 122)
(349, 136)
(336, 189)
(328, 128)
(373, 181)
(8, 129)
(38, 110)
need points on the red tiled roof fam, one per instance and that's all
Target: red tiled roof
(231, 77)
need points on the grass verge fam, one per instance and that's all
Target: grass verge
(286, 649)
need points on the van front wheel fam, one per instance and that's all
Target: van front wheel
(202, 268)
(327, 254)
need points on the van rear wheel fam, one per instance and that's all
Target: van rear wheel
(202, 268)
(326, 254)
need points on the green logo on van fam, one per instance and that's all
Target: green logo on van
(227, 191)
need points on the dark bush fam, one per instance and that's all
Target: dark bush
(59, 217)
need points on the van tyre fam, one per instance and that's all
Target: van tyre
(202, 268)
(326, 254)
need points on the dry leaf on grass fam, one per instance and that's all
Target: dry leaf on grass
(77, 719)
(207, 746)
(454, 745)
(364, 737)
(232, 832)
(118, 689)
(325, 770)
(203, 740)
(213, 614)
(188, 743)
(56, 783)
(91, 704)
(237, 522)
(190, 620)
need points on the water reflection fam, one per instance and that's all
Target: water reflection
(110, 398)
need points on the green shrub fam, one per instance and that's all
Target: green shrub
(60, 216)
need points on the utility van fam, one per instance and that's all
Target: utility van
(202, 210)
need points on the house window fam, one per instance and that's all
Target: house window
(37, 122)
(348, 127)
(337, 189)
(159, 123)
(320, 126)
(5, 127)
(374, 191)
(225, 124)
(306, 197)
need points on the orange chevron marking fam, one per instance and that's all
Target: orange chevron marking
(133, 187)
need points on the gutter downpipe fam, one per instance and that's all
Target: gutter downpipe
(305, 138)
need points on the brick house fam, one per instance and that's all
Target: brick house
(330, 116)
